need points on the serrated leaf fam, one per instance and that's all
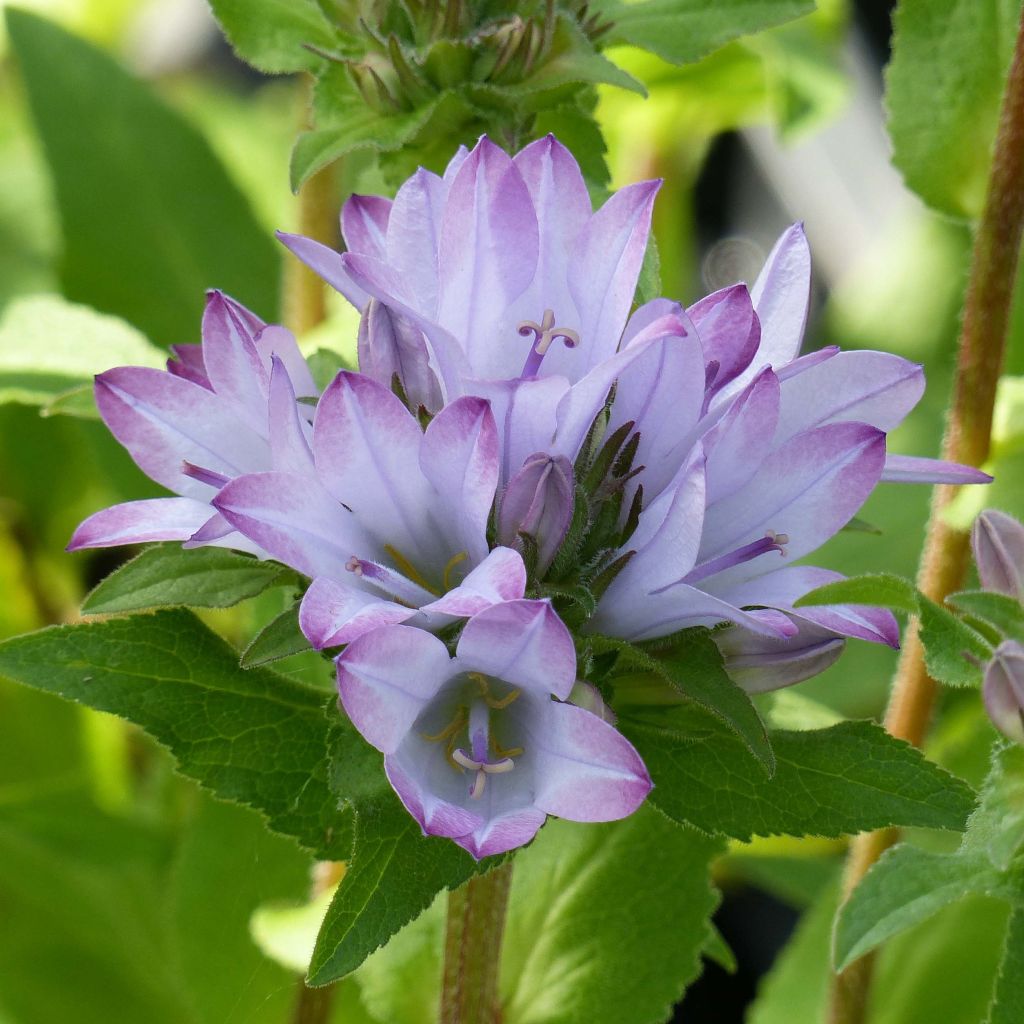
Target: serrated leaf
(944, 84)
(953, 652)
(573, 954)
(1008, 997)
(1000, 610)
(851, 777)
(393, 875)
(274, 35)
(883, 588)
(996, 829)
(251, 736)
(150, 218)
(168, 575)
(684, 30)
(49, 346)
(281, 638)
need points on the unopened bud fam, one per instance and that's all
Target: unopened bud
(1003, 690)
(998, 542)
(389, 346)
(588, 697)
(538, 501)
(760, 663)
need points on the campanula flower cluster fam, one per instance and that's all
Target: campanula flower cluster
(522, 461)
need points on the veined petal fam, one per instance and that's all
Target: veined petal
(386, 678)
(274, 341)
(289, 444)
(500, 577)
(869, 387)
(912, 469)
(188, 363)
(459, 456)
(334, 613)
(781, 296)
(586, 769)
(414, 236)
(327, 263)
(1003, 690)
(998, 544)
(165, 421)
(389, 346)
(295, 520)
(760, 664)
(488, 248)
(504, 833)
(139, 522)
(729, 332)
(649, 313)
(437, 817)
(364, 224)
(524, 643)
(233, 365)
(603, 274)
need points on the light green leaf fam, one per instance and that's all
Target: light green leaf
(996, 829)
(49, 346)
(718, 950)
(281, 638)
(882, 588)
(999, 610)
(684, 30)
(167, 575)
(249, 735)
(393, 875)
(828, 782)
(149, 216)
(1008, 998)
(286, 932)
(606, 922)
(953, 652)
(944, 85)
(273, 35)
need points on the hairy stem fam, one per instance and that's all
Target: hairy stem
(968, 435)
(472, 949)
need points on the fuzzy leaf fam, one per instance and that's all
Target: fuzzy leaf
(272, 35)
(150, 218)
(999, 610)
(574, 955)
(167, 575)
(1008, 998)
(250, 736)
(883, 588)
(281, 638)
(848, 778)
(685, 30)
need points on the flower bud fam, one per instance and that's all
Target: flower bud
(998, 542)
(1003, 690)
(760, 663)
(390, 346)
(538, 501)
(587, 696)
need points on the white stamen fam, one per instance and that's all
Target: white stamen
(354, 565)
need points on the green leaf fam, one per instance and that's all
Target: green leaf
(1008, 998)
(273, 35)
(684, 30)
(251, 736)
(848, 778)
(393, 875)
(606, 922)
(281, 638)
(49, 346)
(947, 640)
(693, 666)
(324, 365)
(944, 85)
(149, 216)
(883, 588)
(1000, 610)
(996, 829)
(719, 951)
(167, 575)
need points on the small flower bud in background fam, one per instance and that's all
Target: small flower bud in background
(998, 542)
(389, 346)
(761, 663)
(1003, 690)
(538, 502)
(587, 696)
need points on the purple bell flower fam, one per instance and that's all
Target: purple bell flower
(1003, 690)
(998, 542)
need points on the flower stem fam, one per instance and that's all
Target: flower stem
(472, 949)
(968, 435)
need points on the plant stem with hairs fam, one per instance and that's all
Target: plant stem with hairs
(968, 434)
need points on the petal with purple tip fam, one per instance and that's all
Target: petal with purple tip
(500, 577)
(759, 664)
(414, 235)
(781, 296)
(364, 224)
(503, 833)
(139, 522)
(234, 367)
(1003, 690)
(289, 434)
(333, 613)
(436, 817)
(729, 332)
(913, 469)
(278, 342)
(998, 543)
(327, 263)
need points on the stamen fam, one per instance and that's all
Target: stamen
(771, 542)
(452, 728)
(502, 752)
(544, 334)
(452, 562)
(477, 789)
(203, 475)
(498, 704)
(410, 570)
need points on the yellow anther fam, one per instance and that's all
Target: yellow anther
(409, 570)
(452, 729)
(499, 705)
(500, 751)
(452, 562)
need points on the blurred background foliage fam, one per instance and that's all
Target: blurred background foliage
(140, 163)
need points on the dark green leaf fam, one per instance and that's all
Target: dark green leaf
(168, 575)
(280, 639)
(684, 30)
(250, 736)
(858, 525)
(272, 35)
(953, 652)
(828, 782)
(393, 875)
(944, 84)
(1008, 998)
(150, 218)
(1000, 610)
(883, 588)
(324, 364)
(718, 950)
(606, 922)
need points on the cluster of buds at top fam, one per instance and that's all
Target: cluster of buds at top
(998, 542)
